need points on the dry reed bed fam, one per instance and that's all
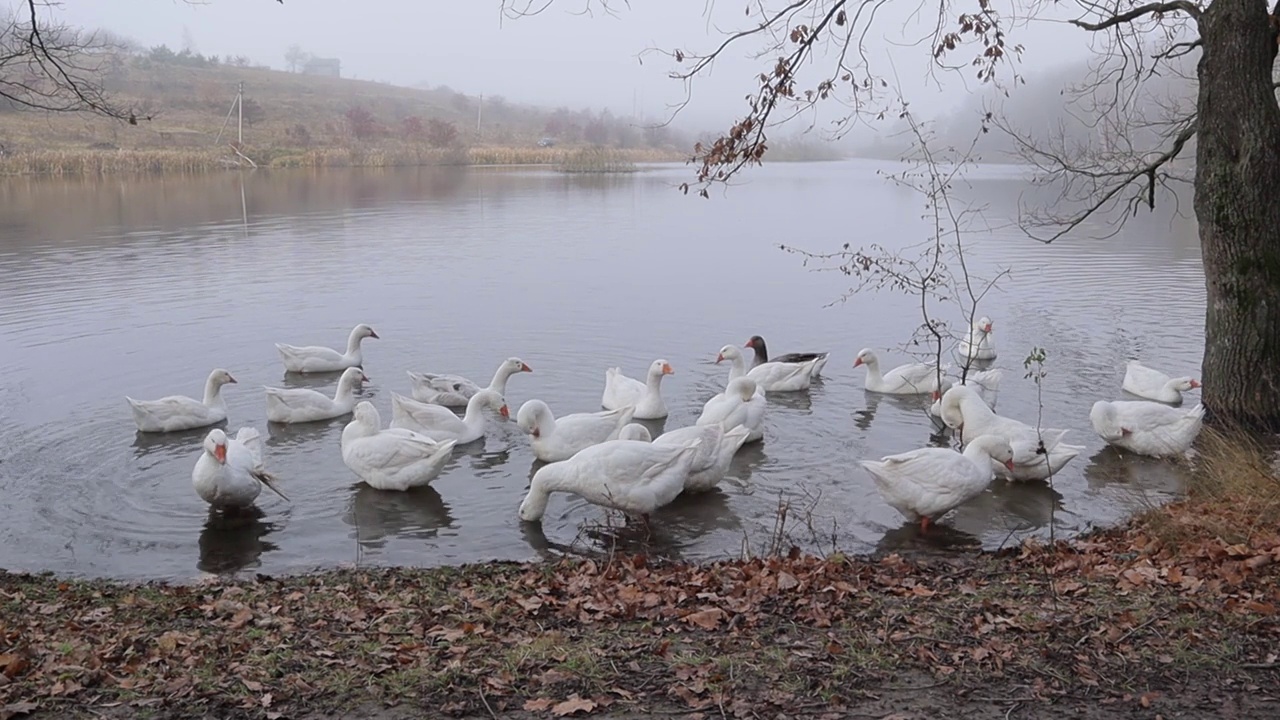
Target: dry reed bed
(89, 162)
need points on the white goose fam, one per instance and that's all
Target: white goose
(455, 390)
(179, 412)
(229, 473)
(621, 391)
(635, 431)
(981, 343)
(392, 459)
(909, 379)
(634, 477)
(770, 376)
(963, 410)
(1147, 428)
(930, 482)
(761, 356)
(316, 358)
(298, 405)
(986, 382)
(558, 438)
(440, 423)
(1152, 384)
(741, 403)
(716, 448)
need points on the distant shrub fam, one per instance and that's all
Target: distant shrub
(361, 123)
(441, 134)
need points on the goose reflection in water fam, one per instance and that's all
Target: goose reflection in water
(1136, 477)
(914, 404)
(170, 445)
(941, 536)
(377, 515)
(672, 528)
(232, 542)
(290, 435)
(1013, 507)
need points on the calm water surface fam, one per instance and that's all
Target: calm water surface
(140, 286)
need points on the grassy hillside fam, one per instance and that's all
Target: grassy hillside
(300, 120)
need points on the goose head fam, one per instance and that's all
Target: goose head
(866, 356)
(531, 416)
(728, 352)
(215, 443)
(659, 368)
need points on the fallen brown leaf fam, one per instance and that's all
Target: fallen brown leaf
(708, 619)
(538, 704)
(573, 705)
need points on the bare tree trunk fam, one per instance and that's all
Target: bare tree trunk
(1237, 203)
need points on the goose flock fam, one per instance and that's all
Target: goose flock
(609, 460)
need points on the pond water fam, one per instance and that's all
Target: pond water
(140, 286)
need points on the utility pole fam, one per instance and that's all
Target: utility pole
(240, 119)
(479, 114)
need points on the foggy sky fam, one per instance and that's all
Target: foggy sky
(556, 58)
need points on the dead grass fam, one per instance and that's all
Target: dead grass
(1234, 494)
(597, 160)
(301, 123)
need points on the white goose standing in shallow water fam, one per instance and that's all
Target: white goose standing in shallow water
(985, 382)
(621, 391)
(229, 473)
(963, 410)
(179, 412)
(761, 356)
(455, 390)
(297, 405)
(716, 448)
(440, 423)
(1146, 427)
(558, 438)
(909, 379)
(316, 358)
(391, 459)
(741, 403)
(634, 477)
(981, 343)
(771, 376)
(1152, 384)
(930, 482)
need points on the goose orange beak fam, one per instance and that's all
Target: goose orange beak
(525, 368)
(748, 344)
(220, 453)
(666, 369)
(857, 362)
(1194, 383)
(504, 412)
(719, 358)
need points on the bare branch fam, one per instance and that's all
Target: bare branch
(1140, 11)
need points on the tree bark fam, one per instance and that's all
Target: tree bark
(1237, 203)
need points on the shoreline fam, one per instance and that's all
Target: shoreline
(183, 161)
(1122, 621)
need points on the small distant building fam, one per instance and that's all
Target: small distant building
(328, 67)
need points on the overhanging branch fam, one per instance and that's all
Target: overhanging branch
(1149, 9)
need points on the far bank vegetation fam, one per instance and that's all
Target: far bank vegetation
(291, 119)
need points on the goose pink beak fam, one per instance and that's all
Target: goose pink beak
(220, 452)
(525, 368)
(1194, 383)
(1009, 464)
